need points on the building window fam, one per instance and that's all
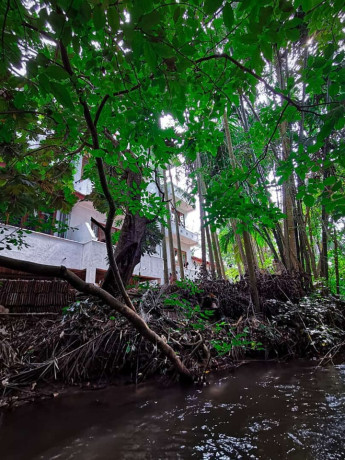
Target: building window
(99, 234)
(62, 222)
(46, 222)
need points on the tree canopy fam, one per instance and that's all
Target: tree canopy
(95, 78)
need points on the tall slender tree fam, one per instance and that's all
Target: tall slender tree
(177, 226)
(170, 234)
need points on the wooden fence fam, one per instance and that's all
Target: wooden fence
(35, 295)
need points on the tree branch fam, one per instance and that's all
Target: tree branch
(102, 177)
(41, 32)
(257, 77)
(3, 29)
(15, 112)
(100, 108)
(101, 226)
(263, 155)
(89, 288)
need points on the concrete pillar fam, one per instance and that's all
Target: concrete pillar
(90, 274)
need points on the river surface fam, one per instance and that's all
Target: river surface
(260, 411)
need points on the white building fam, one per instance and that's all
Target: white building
(82, 249)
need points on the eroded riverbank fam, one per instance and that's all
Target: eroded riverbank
(90, 346)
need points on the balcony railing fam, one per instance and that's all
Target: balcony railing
(186, 233)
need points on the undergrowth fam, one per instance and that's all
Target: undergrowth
(203, 322)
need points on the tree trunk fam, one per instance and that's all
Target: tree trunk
(262, 175)
(216, 255)
(246, 235)
(290, 245)
(267, 237)
(324, 214)
(289, 223)
(128, 249)
(310, 243)
(127, 309)
(324, 247)
(164, 243)
(239, 243)
(210, 251)
(278, 236)
(254, 249)
(170, 235)
(238, 263)
(260, 254)
(336, 262)
(165, 257)
(304, 243)
(251, 271)
(92, 127)
(178, 238)
(202, 220)
(220, 256)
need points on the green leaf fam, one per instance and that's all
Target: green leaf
(61, 94)
(177, 13)
(228, 16)
(330, 180)
(42, 59)
(292, 34)
(113, 18)
(266, 49)
(57, 21)
(309, 200)
(337, 186)
(32, 68)
(56, 72)
(150, 55)
(188, 50)
(98, 17)
(76, 44)
(307, 5)
(19, 100)
(44, 83)
(150, 20)
(85, 12)
(210, 6)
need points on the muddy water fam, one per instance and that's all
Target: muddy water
(262, 411)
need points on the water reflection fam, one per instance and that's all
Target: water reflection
(261, 411)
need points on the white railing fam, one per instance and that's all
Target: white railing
(184, 232)
(188, 234)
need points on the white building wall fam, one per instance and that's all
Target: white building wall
(94, 256)
(83, 186)
(90, 255)
(47, 249)
(150, 266)
(81, 215)
(81, 250)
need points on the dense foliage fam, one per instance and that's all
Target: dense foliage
(86, 77)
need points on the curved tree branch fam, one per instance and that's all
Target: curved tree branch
(257, 77)
(89, 288)
(92, 126)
